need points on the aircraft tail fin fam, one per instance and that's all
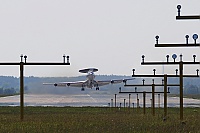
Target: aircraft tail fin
(87, 70)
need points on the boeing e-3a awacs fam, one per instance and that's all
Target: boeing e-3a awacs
(90, 82)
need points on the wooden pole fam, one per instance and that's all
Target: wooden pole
(153, 99)
(21, 90)
(115, 100)
(165, 95)
(158, 100)
(129, 97)
(181, 89)
(144, 102)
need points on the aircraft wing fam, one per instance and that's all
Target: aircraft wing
(101, 83)
(116, 81)
(64, 84)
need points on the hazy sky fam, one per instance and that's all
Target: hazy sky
(110, 35)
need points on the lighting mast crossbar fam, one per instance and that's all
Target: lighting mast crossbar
(186, 44)
(152, 92)
(180, 63)
(165, 76)
(21, 64)
(181, 17)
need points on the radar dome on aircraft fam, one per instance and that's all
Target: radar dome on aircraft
(88, 69)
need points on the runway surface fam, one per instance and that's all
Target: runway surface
(84, 99)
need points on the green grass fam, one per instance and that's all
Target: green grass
(88, 119)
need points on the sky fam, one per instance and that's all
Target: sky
(110, 35)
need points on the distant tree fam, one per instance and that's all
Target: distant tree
(9, 91)
(191, 89)
(26, 89)
(1, 91)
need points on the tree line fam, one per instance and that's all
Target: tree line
(7, 91)
(10, 85)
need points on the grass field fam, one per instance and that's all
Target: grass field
(91, 119)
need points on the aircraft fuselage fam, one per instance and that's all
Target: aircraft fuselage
(90, 80)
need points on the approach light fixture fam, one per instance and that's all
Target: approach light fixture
(154, 71)
(25, 57)
(187, 36)
(167, 58)
(153, 81)
(174, 56)
(120, 89)
(179, 10)
(194, 56)
(197, 72)
(133, 71)
(67, 59)
(143, 58)
(157, 37)
(21, 56)
(176, 71)
(143, 81)
(64, 56)
(181, 57)
(195, 37)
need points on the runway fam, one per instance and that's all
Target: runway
(84, 99)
